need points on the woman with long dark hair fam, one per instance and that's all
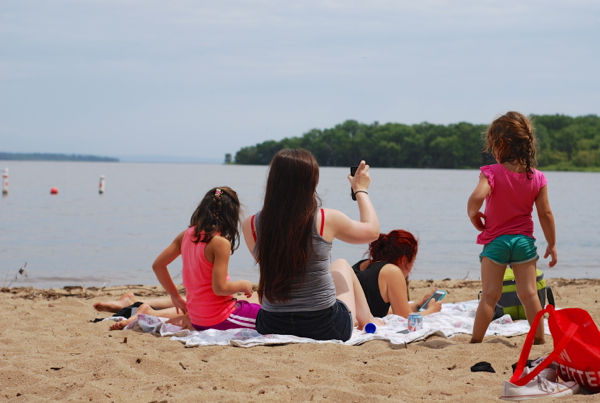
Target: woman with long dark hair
(383, 275)
(301, 292)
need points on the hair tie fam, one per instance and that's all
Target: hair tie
(218, 192)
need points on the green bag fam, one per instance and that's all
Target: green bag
(509, 301)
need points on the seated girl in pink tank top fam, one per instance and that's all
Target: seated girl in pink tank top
(205, 248)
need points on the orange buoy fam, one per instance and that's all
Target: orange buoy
(53, 191)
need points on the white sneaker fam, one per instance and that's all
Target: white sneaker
(549, 372)
(538, 387)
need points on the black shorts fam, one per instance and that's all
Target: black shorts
(333, 323)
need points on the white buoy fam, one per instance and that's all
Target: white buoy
(5, 181)
(102, 184)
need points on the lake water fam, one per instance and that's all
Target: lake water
(80, 236)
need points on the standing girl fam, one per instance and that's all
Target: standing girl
(510, 189)
(205, 248)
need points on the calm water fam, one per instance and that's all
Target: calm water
(79, 236)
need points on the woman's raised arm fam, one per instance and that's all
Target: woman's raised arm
(339, 225)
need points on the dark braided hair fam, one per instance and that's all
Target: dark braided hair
(510, 139)
(217, 214)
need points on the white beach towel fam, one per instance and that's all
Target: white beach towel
(452, 320)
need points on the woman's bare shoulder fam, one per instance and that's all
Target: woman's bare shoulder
(179, 238)
(246, 220)
(329, 212)
(391, 272)
(219, 240)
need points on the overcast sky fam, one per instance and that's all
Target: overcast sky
(204, 78)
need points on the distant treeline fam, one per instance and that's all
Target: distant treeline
(53, 157)
(564, 143)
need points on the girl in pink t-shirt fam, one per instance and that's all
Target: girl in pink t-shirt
(510, 189)
(205, 248)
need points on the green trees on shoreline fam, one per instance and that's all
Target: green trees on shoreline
(564, 143)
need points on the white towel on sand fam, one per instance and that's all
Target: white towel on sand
(452, 320)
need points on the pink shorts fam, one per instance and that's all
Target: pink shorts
(243, 317)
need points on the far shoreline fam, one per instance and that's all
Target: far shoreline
(157, 290)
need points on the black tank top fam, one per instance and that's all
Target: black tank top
(369, 280)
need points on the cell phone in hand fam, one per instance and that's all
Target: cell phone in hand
(438, 295)
(352, 172)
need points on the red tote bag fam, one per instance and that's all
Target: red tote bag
(576, 348)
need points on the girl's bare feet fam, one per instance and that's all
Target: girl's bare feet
(119, 325)
(144, 308)
(115, 306)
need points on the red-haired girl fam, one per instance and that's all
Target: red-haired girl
(383, 275)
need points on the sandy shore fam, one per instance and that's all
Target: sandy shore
(52, 351)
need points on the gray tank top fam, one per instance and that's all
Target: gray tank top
(317, 291)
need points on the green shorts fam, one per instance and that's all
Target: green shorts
(510, 249)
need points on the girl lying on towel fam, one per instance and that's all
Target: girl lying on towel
(383, 275)
(205, 248)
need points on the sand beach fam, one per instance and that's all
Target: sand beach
(52, 351)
